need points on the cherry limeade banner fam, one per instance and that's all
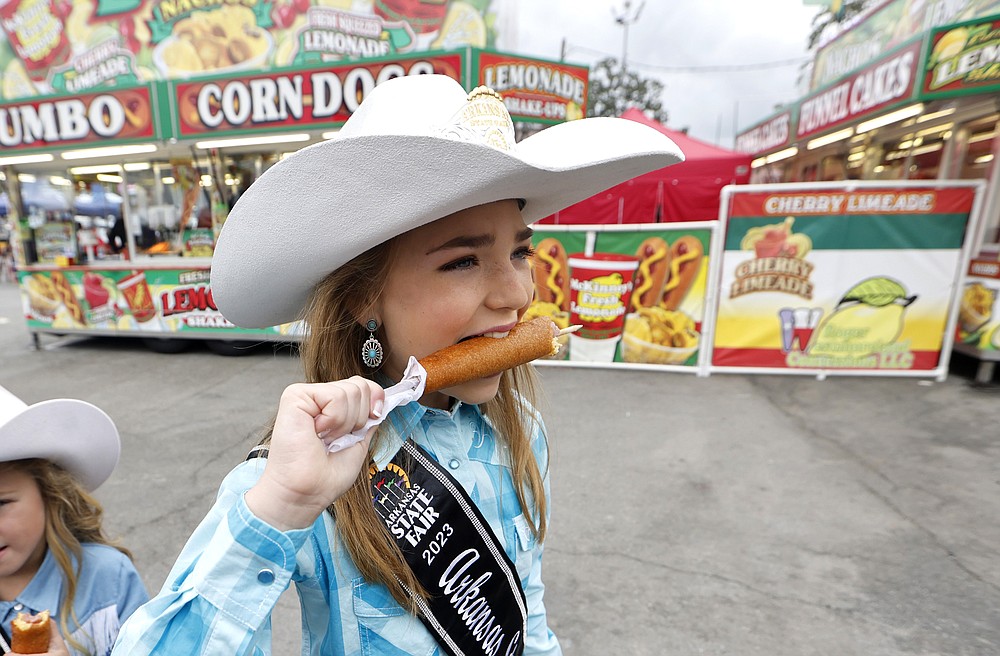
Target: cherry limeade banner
(859, 278)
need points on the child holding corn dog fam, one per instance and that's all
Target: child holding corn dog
(405, 484)
(59, 572)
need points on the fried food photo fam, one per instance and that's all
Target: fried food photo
(976, 309)
(659, 336)
(42, 295)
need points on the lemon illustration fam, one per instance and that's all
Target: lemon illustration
(463, 26)
(16, 83)
(950, 45)
(573, 111)
(868, 319)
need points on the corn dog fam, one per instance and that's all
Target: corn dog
(31, 633)
(480, 357)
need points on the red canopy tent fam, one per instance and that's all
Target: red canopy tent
(688, 191)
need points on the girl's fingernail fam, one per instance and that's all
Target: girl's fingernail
(377, 408)
(323, 434)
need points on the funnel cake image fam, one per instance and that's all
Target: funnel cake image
(42, 295)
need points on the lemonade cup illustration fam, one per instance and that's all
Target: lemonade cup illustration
(98, 290)
(135, 289)
(600, 289)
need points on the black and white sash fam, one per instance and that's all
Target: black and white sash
(476, 605)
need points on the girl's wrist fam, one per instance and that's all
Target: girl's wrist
(271, 505)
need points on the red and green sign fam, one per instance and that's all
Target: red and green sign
(136, 302)
(772, 134)
(299, 99)
(887, 25)
(535, 90)
(62, 46)
(838, 277)
(639, 294)
(963, 59)
(887, 82)
(119, 115)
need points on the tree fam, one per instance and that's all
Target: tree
(613, 90)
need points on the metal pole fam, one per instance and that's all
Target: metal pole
(625, 20)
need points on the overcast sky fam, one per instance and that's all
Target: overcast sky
(689, 33)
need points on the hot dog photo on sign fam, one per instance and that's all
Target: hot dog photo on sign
(551, 276)
(662, 323)
(658, 330)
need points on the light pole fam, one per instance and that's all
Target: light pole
(625, 19)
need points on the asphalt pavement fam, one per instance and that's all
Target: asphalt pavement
(770, 515)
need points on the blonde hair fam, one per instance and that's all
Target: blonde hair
(72, 517)
(331, 351)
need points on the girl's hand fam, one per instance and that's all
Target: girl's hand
(57, 647)
(301, 478)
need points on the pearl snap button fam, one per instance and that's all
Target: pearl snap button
(454, 463)
(18, 606)
(265, 576)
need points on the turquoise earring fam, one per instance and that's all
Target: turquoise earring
(371, 351)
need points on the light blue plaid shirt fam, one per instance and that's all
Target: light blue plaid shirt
(219, 595)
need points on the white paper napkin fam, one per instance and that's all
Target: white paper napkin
(410, 388)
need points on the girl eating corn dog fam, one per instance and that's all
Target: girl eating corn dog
(403, 487)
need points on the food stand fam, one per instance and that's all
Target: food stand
(908, 93)
(124, 149)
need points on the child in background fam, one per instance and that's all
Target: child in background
(406, 234)
(54, 554)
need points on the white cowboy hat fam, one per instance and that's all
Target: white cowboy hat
(417, 149)
(77, 436)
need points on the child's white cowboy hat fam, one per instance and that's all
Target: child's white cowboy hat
(417, 149)
(77, 436)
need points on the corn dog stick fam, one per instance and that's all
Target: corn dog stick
(480, 357)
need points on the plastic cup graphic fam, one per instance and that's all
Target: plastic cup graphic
(94, 291)
(135, 289)
(600, 289)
